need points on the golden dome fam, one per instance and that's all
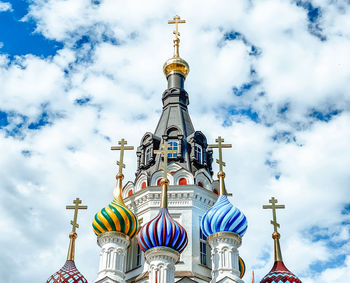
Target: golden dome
(176, 64)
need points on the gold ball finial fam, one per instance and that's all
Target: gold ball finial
(276, 235)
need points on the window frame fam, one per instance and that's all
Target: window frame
(198, 152)
(173, 145)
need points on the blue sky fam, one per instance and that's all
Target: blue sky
(269, 76)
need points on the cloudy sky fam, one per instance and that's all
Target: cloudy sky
(270, 76)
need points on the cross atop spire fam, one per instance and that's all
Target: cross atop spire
(73, 235)
(76, 207)
(122, 148)
(220, 146)
(176, 20)
(273, 206)
(165, 151)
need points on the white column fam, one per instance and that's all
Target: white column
(112, 257)
(224, 254)
(161, 262)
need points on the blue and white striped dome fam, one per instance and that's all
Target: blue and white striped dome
(224, 217)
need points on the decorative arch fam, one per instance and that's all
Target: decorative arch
(203, 179)
(158, 175)
(173, 132)
(127, 188)
(183, 174)
(142, 178)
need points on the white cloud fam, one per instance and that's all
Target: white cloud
(5, 6)
(122, 78)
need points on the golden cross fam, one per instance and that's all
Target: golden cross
(165, 151)
(273, 206)
(76, 207)
(122, 147)
(220, 146)
(176, 21)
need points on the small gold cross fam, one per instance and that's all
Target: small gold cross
(220, 146)
(165, 151)
(176, 21)
(76, 207)
(273, 206)
(122, 147)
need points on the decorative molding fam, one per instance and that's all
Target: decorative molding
(161, 262)
(112, 257)
(224, 253)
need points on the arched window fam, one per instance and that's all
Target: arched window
(198, 153)
(183, 181)
(173, 145)
(130, 193)
(144, 185)
(148, 155)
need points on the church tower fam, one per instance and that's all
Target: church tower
(191, 188)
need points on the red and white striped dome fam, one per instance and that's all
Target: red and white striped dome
(67, 274)
(280, 274)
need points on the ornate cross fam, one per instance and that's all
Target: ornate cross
(220, 146)
(76, 207)
(177, 21)
(122, 147)
(273, 206)
(165, 151)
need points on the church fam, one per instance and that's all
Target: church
(175, 221)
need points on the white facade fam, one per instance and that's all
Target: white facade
(186, 204)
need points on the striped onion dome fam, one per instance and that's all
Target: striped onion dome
(163, 231)
(67, 274)
(224, 217)
(116, 217)
(280, 274)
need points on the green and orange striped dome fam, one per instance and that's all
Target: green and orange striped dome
(116, 216)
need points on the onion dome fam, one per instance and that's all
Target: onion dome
(279, 273)
(223, 216)
(67, 274)
(163, 230)
(116, 216)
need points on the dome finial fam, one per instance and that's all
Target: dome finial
(176, 20)
(116, 217)
(164, 181)
(73, 235)
(221, 174)
(176, 64)
(117, 193)
(275, 236)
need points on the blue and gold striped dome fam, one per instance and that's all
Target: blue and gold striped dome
(116, 216)
(224, 217)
